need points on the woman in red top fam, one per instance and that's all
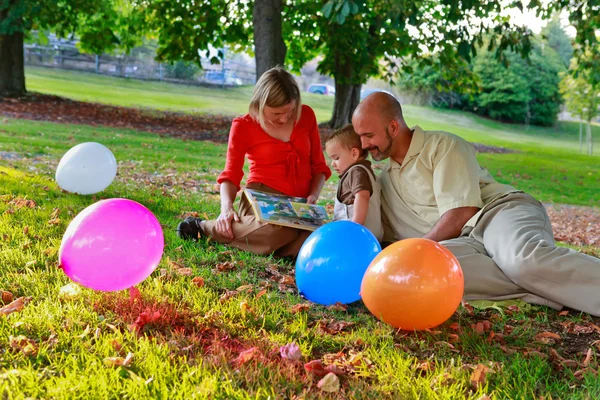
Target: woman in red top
(280, 138)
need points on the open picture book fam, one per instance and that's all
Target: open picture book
(286, 211)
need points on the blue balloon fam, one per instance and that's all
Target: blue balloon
(333, 260)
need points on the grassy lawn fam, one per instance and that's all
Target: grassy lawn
(219, 316)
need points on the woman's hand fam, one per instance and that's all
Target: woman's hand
(312, 199)
(224, 223)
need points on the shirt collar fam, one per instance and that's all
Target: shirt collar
(416, 145)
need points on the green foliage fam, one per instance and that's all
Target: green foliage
(555, 36)
(101, 25)
(181, 70)
(580, 90)
(525, 92)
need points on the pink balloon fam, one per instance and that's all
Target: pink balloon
(112, 245)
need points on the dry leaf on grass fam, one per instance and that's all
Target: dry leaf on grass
(23, 344)
(300, 307)
(134, 294)
(198, 281)
(333, 327)
(330, 383)
(479, 375)
(7, 297)
(338, 307)
(119, 361)
(291, 351)
(547, 337)
(248, 355)
(14, 306)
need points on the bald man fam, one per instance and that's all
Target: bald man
(433, 187)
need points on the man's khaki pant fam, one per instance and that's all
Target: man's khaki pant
(258, 237)
(511, 254)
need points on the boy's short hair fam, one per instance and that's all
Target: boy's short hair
(348, 139)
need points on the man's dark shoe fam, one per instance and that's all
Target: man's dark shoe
(189, 229)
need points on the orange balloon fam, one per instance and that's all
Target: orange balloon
(413, 284)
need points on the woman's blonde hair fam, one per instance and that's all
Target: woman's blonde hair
(275, 88)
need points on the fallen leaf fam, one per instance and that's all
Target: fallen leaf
(334, 327)
(245, 288)
(546, 337)
(300, 307)
(25, 230)
(588, 358)
(478, 376)
(14, 306)
(198, 281)
(119, 361)
(183, 271)
(245, 308)
(225, 266)
(291, 351)
(23, 344)
(134, 294)
(288, 280)
(227, 295)
(248, 355)
(7, 297)
(583, 329)
(563, 313)
(261, 293)
(330, 383)
(338, 307)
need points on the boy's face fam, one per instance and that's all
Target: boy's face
(341, 158)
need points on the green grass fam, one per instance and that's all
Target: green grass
(62, 345)
(84, 86)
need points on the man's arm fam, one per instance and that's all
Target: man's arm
(451, 223)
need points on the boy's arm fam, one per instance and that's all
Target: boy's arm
(361, 206)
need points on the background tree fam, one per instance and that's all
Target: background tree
(525, 91)
(581, 92)
(554, 35)
(358, 40)
(101, 25)
(269, 46)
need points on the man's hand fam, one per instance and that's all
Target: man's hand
(223, 226)
(312, 199)
(451, 223)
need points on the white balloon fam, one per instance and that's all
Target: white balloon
(86, 168)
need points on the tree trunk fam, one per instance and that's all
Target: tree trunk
(588, 137)
(347, 91)
(347, 98)
(581, 136)
(269, 47)
(12, 66)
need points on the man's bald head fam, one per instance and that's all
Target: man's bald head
(381, 104)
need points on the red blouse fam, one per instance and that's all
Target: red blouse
(284, 166)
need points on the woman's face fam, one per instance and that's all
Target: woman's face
(279, 116)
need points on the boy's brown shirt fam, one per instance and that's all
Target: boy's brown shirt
(353, 181)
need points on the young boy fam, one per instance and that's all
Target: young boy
(358, 194)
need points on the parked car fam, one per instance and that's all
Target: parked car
(321, 88)
(367, 91)
(217, 78)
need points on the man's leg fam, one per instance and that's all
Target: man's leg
(483, 279)
(517, 234)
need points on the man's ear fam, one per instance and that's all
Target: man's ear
(393, 128)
